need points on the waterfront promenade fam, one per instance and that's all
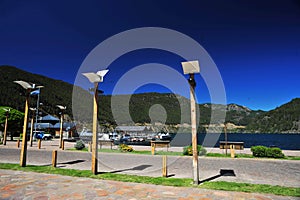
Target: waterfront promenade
(261, 171)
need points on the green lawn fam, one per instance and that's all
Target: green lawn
(172, 153)
(178, 182)
(145, 152)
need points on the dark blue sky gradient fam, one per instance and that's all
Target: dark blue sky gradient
(255, 44)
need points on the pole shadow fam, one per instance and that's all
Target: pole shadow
(71, 162)
(66, 163)
(223, 172)
(137, 168)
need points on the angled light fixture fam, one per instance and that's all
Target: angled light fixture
(25, 84)
(96, 77)
(62, 107)
(191, 67)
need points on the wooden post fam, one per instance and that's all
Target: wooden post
(194, 131)
(152, 148)
(31, 128)
(90, 146)
(23, 154)
(5, 129)
(95, 132)
(39, 143)
(232, 151)
(63, 145)
(54, 158)
(226, 140)
(164, 167)
(18, 143)
(61, 130)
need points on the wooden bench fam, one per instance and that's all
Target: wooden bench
(233, 145)
(157, 144)
(106, 143)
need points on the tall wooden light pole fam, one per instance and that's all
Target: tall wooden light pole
(95, 78)
(62, 108)
(190, 68)
(31, 126)
(23, 154)
(226, 138)
(5, 127)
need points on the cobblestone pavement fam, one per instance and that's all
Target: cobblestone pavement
(36, 186)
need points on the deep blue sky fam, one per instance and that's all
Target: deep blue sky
(255, 44)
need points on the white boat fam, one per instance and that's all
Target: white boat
(87, 134)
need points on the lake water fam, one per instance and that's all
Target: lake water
(283, 141)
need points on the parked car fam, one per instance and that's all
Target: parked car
(42, 135)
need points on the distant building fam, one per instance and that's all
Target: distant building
(52, 124)
(134, 130)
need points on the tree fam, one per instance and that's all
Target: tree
(15, 120)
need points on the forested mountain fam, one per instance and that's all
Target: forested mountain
(54, 92)
(143, 108)
(284, 119)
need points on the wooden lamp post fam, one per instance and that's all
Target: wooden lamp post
(28, 87)
(95, 78)
(62, 108)
(191, 68)
(5, 127)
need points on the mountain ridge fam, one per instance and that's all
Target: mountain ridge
(284, 119)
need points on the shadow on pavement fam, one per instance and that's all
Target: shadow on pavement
(71, 162)
(223, 172)
(140, 168)
(66, 163)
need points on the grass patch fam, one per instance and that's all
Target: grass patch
(257, 188)
(172, 153)
(292, 158)
(178, 182)
(220, 155)
(144, 152)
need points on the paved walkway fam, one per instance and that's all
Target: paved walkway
(53, 145)
(36, 186)
(28, 185)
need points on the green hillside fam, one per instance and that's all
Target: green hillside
(143, 108)
(54, 92)
(284, 119)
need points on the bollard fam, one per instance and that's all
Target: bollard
(39, 143)
(152, 149)
(54, 158)
(18, 143)
(63, 145)
(232, 151)
(90, 147)
(164, 167)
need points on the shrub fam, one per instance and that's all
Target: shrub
(274, 153)
(259, 151)
(262, 151)
(125, 148)
(188, 150)
(79, 145)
